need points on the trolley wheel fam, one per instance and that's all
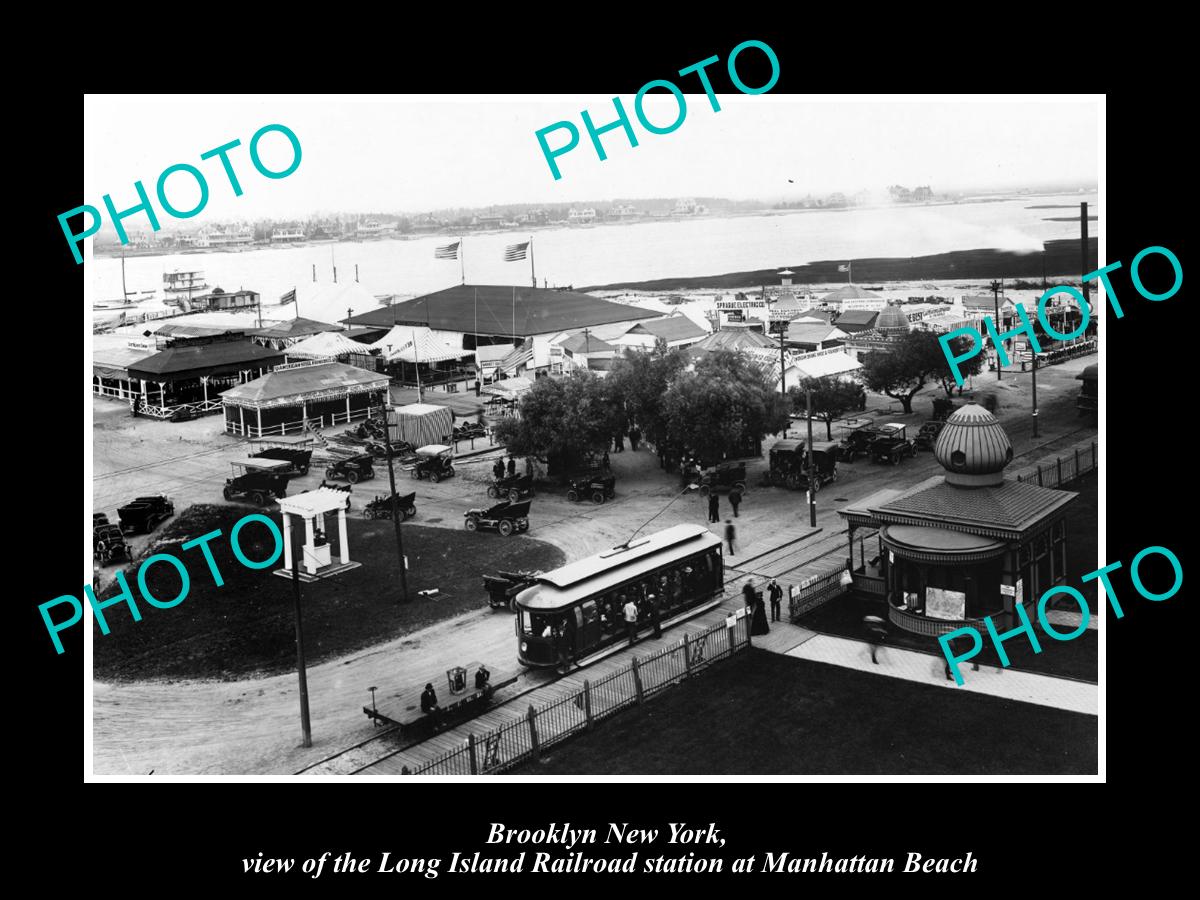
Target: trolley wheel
(471, 524)
(573, 496)
(493, 493)
(597, 496)
(352, 476)
(435, 477)
(331, 473)
(258, 499)
(506, 527)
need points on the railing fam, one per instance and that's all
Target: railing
(926, 626)
(814, 591)
(524, 738)
(868, 584)
(165, 412)
(1063, 469)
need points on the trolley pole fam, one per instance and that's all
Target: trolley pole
(387, 443)
(812, 497)
(305, 723)
(996, 304)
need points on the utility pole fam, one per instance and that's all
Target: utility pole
(305, 722)
(996, 285)
(812, 498)
(1035, 421)
(387, 443)
(1083, 249)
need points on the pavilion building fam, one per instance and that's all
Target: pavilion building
(962, 545)
(294, 396)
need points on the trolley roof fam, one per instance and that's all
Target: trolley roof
(604, 571)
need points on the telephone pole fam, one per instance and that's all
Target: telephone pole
(387, 442)
(996, 285)
(305, 722)
(812, 497)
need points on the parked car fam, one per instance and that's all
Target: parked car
(723, 476)
(928, 435)
(785, 464)
(144, 514)
(892, 445)
(514, 487)
(505, 517)
(259, 482)
(108, 544)
(858, 442)
(297, 452)
(597, 487)
(435, 462)
(352, 468)
(381, 507)
(503, 587)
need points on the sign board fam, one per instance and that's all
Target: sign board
(1008, 590)
(1020, 592)
(730, 621)
(945, 604)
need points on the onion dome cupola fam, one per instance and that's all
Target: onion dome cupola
(973, 448)
(892, 322)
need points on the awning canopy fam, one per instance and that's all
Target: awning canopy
(328, 343)
(291, 385)
(414, 344)
(509, 387)
(314, 503)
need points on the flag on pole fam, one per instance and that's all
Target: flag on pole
(450, 251)
(289, 297)
(516, 252)
(845, 268)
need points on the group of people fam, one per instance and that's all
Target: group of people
(499, 469)
(635, 438)
(757, 610)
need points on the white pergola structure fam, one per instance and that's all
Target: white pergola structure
(316, 561)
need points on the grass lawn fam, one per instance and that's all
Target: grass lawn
(766, 714)
(1078, 658)
(248, 625)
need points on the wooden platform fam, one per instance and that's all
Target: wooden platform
(403, 707)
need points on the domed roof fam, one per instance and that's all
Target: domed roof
(892, 322)
(973, 448)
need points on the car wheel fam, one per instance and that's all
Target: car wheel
(409, 512)
(449, 471)
(597, 496)
(331, 474)
(572, 496)
(352, 476)
(415, 474)
(370, 473)
(471, 524)
(815, 486)
(258, 499)
(895, 460)
(228, 494)
(506, 527)
(303, 471)
(493, 493)
(435, 477)
(611, 494)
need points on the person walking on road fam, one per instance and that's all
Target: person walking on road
(631, 618)
(776, 594)
(730, 535)
(735, 500)
(714, 508)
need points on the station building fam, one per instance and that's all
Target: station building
(962, 545)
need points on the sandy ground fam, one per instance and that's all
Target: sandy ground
(252, 726)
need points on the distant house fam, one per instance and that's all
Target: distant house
(623, 211)
(677, 330)
(581, 216)
(579, 351)
(922, 194)
(487, 221)
(814, 337)
(854, 320)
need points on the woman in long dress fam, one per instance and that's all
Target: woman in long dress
(758, 620)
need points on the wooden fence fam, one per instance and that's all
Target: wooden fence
(526, 737)
(814, 591)
(1062, 470)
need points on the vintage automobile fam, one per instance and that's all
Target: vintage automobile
(503, 587)
(99, 519)
(928, 434)
(723, 476)
(824, 465)
(185, 413)
(514, 487)
(381, 507)
(352, 468)
(469, 430)
(785, 464)
(297, 451)
(145, 513)
(108, 544)
(598, 487)
(892, 444)
(858, 442)
(260, 482)
(434, 461)
(505, 517)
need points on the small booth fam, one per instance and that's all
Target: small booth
(317, 559)
(420, 423)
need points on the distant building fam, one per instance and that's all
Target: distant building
(581, 216)
(813, 337)
(623, 211)
(287, 235)
(922, 194)
(684, 207)
(487, 221)
(372, 228)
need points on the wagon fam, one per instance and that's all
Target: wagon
(381, 507)
(598, 487)
(892, 444)
(514, 487)
(353, 468)
(260, 482)
(468, 431)
(108, 544)
(505, 517)
(504, 586)
(786, 465)
(297, 451)
(858, 442)
(434, 461)
(145, 513)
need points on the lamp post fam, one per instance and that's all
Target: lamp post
(812, 499)
(625, 546)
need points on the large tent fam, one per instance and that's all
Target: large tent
(509, 388)
(414, 344)
(326, 344)
(420, 424)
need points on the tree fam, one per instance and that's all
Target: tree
(831, 396)
(973, 366)
(721, 405)
(561, 419)
(639, 382)
(900, 372)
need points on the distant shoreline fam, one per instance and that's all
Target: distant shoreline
(1059, 257)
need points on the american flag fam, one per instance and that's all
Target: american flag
(450, 251)
(515, 252)
(845, 268)
(289, 297)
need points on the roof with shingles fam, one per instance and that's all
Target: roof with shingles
(295, 383)
(1011, 508)
(194, 360)
(670, 328)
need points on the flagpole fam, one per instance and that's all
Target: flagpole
(461, 257)
(850, 272)
(532, 272)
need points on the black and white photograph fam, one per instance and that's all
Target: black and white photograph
(764, 445)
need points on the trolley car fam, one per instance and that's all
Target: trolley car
(579, 606)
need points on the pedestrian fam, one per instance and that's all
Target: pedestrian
(512, 466)
(654, 615)
(714, 508)
(604, 461)
(735, 500)
(776, 594)
(758, 619)
(748, 596)
(730, 535)
(619, 442)
(631, 618)
(635, 436)
(478, 387)
(498, 469)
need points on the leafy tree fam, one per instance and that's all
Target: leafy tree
(831, 397)
(902, 371)
(726, 400)
(561, 419)
(639, 382)
(972, 366)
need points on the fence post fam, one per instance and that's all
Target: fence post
(1058, 465)
(1076, 462)
(533, 735)
(1095, 465)
(587, 702)
(687, 657)
(637, 682)
(471, 752)
(1040, 475)
(733, 638)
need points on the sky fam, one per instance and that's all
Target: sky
(407, 154)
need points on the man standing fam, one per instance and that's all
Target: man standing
(498, 469)
(635, 436)
(730, 535)
(776, 594)
(631, 616)
(714, 508)
(735, 500)
(654, 615)
(512, 466)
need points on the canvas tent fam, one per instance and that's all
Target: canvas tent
(509, 388)
(414, 344)
(420, 424)
(326, 344)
